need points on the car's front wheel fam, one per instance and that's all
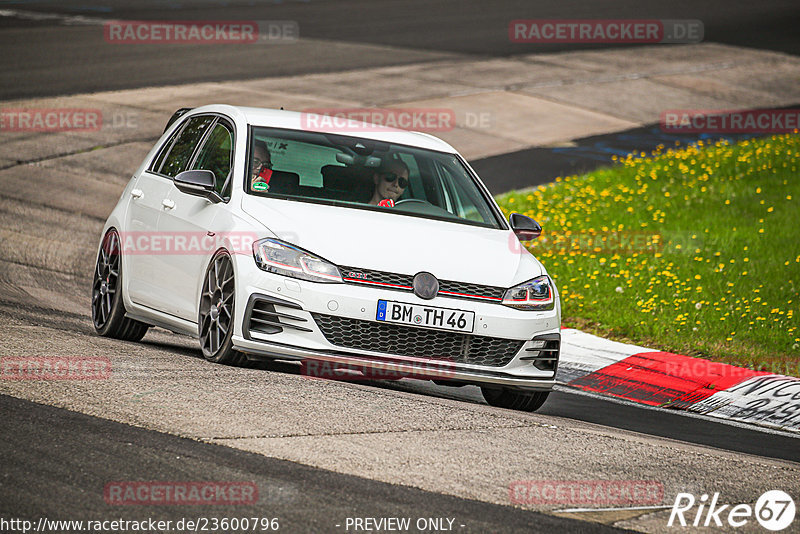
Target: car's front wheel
(526, 401)
(217, 312)
(108, 309)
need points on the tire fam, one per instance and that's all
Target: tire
(108, 308)
(528, 401)
(216, 313)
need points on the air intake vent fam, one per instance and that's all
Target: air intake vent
(268, 315)
(544, 352)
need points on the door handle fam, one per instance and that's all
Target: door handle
(137, 193)
(167, 203)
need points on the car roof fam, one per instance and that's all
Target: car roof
(294, 120)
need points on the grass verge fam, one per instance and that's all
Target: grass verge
(694, 250)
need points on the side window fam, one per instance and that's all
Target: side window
(217, 156)
(184, 146)
(164, 151)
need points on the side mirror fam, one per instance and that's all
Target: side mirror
(524, 227)
(199, 183)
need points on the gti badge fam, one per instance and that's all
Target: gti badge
(426, 286)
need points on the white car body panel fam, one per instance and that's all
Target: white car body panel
(142, 218)
(397, 243)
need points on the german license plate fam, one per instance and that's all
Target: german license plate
(429, 316)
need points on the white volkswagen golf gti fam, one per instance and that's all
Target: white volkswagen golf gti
(358, 247)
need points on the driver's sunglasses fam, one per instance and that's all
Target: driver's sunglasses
(391, 177)
(258, 163)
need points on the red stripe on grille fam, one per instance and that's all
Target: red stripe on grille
(360, 281)
(402, 286)
(470, 296)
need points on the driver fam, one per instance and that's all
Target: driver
(390, 181)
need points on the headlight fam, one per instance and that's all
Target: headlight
(278, 257)
(537, 294)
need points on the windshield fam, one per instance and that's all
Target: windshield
(365, 174)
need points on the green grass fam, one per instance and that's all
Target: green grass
(711, 258)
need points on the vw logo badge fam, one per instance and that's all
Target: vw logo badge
(426, 286)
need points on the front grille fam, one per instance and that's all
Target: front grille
(400, 281)
(465, 290)
(404, 282)
(417, 342)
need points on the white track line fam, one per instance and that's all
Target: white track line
(579, 510)
(67, 20)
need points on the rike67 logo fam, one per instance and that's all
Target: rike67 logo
(774, 510)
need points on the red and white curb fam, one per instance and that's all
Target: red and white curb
(655, 378)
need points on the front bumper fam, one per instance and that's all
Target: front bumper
(393, 366)
(290, 329)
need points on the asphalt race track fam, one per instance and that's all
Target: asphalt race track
(319, 452)
(55, 469)
(53, 57)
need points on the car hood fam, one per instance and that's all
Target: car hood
(397, 243)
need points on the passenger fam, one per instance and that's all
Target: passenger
(391, 180)
(261, 170)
